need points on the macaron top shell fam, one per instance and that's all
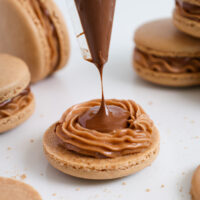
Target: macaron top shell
(14, 77)
(161, 38)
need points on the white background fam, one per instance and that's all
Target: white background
(175, 112)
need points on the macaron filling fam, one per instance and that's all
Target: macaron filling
(15, 104)
(135, 138)
(188, 10)
(176, 65)
(51, 32)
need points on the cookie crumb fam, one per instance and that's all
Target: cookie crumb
(23, 176)
(181, 189)
(31, 140)
(41, 174)
(77, 189)
(54, 194)
(41, 115)
(148, 190)
(150, 103)
(123, 183)
(192, 121)
(183, 173)
(9, 148)
(162, 186)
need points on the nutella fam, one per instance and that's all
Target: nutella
(167, 64)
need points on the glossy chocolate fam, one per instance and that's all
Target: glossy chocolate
(96, 17)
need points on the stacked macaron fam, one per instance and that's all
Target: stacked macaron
(34, 44)
(169, 56)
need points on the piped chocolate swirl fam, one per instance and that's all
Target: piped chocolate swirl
(136, 137)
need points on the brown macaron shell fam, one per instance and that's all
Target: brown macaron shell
(15, 77)
(185, 24)
(11, 189)
(164, 40)
(96, 168)
(27, 39)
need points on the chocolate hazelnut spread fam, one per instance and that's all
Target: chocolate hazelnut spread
(136, 137)
(15, 104)
(167, 64)
(190, 11)
(96, 17)
(51, 33)
(103, 128)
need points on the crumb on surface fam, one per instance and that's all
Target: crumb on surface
(77, 189)
(181, 189)
(148, 190)
(41, 174)
(23, 176)
(162, 186)
(192, 121)
(123, 183)
(150, 103)
(31, 140)
(9, 148)
(54, 194)
(41, 115)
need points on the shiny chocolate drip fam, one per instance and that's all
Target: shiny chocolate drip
(96, 17)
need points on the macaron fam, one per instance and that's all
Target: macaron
(195, 185)
(166, 56)
(186, 16)
(16, 100)
(11, 189)
(80, 152)
(35, 31)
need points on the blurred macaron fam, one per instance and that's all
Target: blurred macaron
(166, 56)
(35, 31)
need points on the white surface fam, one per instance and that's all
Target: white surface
(175, 112)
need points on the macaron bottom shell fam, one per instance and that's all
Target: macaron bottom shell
(95, 168)
(167, 79)
(188, 26)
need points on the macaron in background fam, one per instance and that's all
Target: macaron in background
(11, 189)
(165, 55)
(186, 16)
(16, 100)
(35, 31)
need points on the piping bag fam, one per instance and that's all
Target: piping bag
(92, 21)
